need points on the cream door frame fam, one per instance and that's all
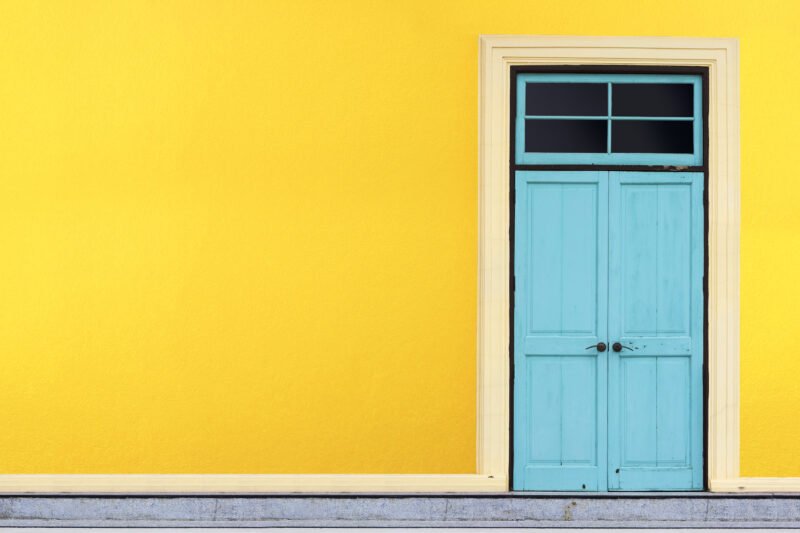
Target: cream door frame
(721, 56)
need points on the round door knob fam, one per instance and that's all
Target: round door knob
(600, 347)
(617, 347)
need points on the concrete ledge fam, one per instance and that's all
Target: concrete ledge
(506, 510)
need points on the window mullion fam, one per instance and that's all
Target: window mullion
(608, 134)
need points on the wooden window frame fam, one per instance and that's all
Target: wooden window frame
(611, 158)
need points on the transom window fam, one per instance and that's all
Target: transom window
(628, 119)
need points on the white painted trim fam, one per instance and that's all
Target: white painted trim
(721, 56)
(247, 483)
(756, 484)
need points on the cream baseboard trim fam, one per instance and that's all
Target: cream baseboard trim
(756, 484)
(247, 483)
(311, 483)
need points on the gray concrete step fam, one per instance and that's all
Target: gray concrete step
(683, 510)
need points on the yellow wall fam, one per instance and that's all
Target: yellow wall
(240, 236)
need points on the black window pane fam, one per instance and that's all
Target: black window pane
(652, 136)
(652, 100)
(571, 99)
(566, 136)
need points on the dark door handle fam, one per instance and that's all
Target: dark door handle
(601, 346)
(618, 347)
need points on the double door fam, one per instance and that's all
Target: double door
(608, 331)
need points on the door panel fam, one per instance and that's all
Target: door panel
(655, 241)
(560, 309)
(656, 312)
(608, 257)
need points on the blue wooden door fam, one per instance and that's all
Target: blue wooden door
(560, 302)
(613, 258)
(656, 254)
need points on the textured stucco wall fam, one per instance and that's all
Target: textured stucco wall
(241, 236)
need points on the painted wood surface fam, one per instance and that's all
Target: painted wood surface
(612, 257)
(561, 245)
(655, 414)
